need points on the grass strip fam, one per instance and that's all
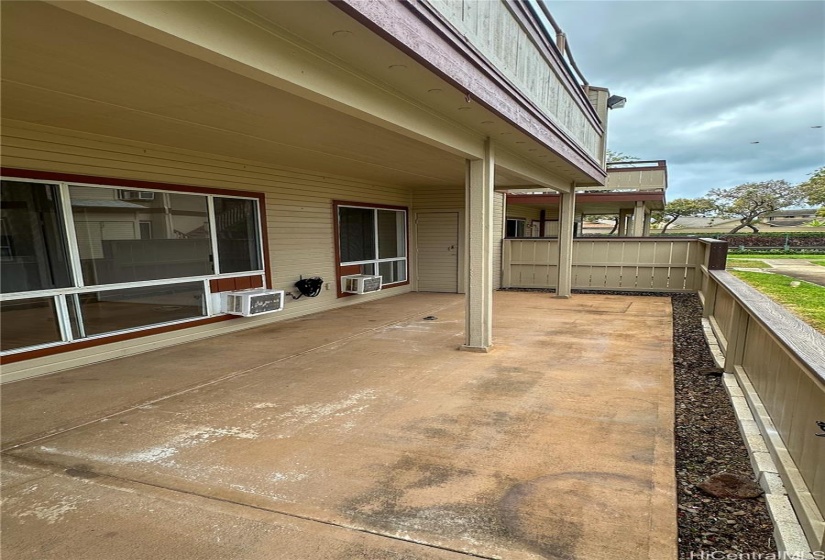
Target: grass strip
(806, 301)
(744, 263)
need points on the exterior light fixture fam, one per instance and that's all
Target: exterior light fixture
(616, 102)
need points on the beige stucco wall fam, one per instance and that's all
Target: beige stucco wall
(298, 212)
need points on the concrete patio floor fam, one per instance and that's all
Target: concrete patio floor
(359, 433)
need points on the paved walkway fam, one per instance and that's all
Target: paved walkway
(799, 269)
(359, 433)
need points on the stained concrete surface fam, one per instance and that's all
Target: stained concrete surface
(380, 442)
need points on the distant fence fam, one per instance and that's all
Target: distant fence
(639, 264)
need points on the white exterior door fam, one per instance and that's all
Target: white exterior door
(437, 251)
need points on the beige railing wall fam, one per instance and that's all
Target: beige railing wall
(637, 264)
(499, 35)
(635, 176)
(779, 362)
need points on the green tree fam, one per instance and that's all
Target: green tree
(679, 207)
(616, 157)
(751, 200)
(813, 190)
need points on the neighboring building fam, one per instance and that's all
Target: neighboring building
(633, 191)
(704, 224)
(159, 155)
(790, 218)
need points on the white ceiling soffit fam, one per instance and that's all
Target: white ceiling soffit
(142, 91)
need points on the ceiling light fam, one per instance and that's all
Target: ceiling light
(463, 108)
(434, 90)
(616, 102)
(341, 33)
(487, 122)
(397, 67)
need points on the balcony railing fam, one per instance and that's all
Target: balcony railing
(526, 55)
(635, 176)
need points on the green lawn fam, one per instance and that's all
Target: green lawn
(744, 263)
(806, 301)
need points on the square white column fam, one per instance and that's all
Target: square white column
(478, 281)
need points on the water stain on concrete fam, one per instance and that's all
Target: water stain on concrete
(506, 381)
(397, 506)
(81, 471)
(553, 515)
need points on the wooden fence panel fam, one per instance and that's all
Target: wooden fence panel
(624, 264)
(780, 363)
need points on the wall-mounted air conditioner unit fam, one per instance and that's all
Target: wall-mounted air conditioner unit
(256, 301)
(136, 195)
(360, 284)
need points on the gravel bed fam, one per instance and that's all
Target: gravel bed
(707, 442)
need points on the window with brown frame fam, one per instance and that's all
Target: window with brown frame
(372, 239)
(99, 257)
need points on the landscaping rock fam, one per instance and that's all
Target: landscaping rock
(728, 485)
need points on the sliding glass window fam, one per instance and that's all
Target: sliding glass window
(34, 247)
(374, 239)
(87, 260)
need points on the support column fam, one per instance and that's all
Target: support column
(622, 231)
(638, 219)
(478, 279)
(567, 206)
(646, 231)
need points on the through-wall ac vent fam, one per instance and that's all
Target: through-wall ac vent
(360, 284)
(257, 301)
(136, 195)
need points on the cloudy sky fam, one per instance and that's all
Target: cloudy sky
(705, 79)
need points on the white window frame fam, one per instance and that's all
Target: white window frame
(60, 295)
(375, 262)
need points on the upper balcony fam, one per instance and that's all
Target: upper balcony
(501, 55)
(635, 176)
(509, 35)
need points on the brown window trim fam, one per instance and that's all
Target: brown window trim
(339, 268)
(16, 173)
(80, 344)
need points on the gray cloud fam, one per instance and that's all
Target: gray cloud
(704, 80)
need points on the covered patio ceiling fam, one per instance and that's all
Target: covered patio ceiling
(66, 71)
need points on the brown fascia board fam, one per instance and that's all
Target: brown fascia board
(552, 199)
(660, 164)
(422, 33)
